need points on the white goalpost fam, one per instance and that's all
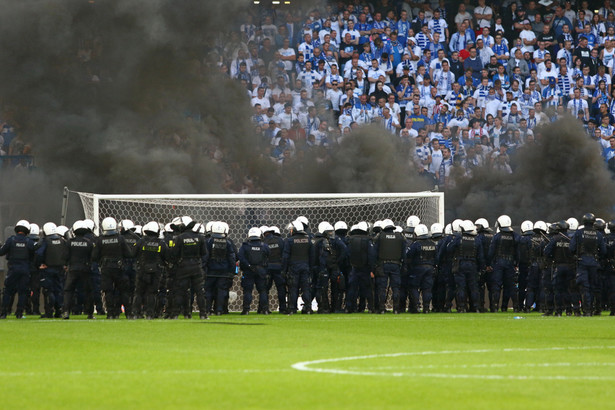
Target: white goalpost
(242, 212)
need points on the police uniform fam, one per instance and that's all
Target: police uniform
(422, 255)
(110, 252)
(53, 253)
(34, 294)
(484, 276)
(151, 254)
(362, 258)
(96, 279)
(558, 250)
(536, 245)
(189, 253)
(80, 250)
(297, 263)
(610, 266)
(253, 257)
(439, 288)
(468, 260)
(588, 245)
(220, 263)
(128, 265)
(330, 255)
(504, 257)
(390, 248)
(274, 268)
(19, 251)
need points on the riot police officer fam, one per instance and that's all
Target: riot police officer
(110, 252)
(19, 251)
(128, 231)
(80, 250)
(504, 259)
(96, 276)
(189, 253)
(330, 254)
(610, 265)
(297, 264)
(588, 245)
(362, 258)
(485, 234)
(275, 243)
(51, 257)
(253, 257)
(390, 248)
(467, 251)
(34, 295)
(421, 258)
(558, 250)
(151, 254)
(537, 244)
(220, 261)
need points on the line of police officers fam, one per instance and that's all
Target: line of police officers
(560, 268)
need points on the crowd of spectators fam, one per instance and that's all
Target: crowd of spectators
(462, 84)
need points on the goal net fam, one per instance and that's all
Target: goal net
(242, 212)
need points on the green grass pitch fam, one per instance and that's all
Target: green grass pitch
(473, 361)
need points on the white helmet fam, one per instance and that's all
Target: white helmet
(324, 227)
(24, 225)
(34, 229)
(264, 228)
(49, 228)
(108, 224)
(398, 229)
(208, 226)
(378, 224)
(127, 225)
(540, 226)
(274, 229)
(527, 226)
(79, 226)
(151, 227)
(482, 222)
(197, 227)
(353, 227)
(226, 227)
(297, 226)
(304, 221)
(421, 231)
(89, 224)
(573, 223)
(413, 221)
(387, 223)
(217, 228)
(340, 225)
(504, 223)
(448, 230)
(254, 233)
(138, 230)
(456, 225)
(437, 229)
(186, 222)
(468, 227)
(61, 230)
(363, 226)
(168, 227)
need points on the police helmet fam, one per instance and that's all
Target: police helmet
(553, 228)
(573, 224)
(197, 227)
(398, 229)
(324, 227)
(413, 221)
(377, 226)
(34, 230)
(89, 224)
(22, 226)
(108, 225)
(254, 233)
(304, 221)
(448, 230)
(468, 227)
(388, 224)
(589, 219)
(421, 231)
(504, 223)
(340, 226)
(276, 230)
(456, 225)
(264, 228)
(226, 228)
(599, 225)
(527, 227)
(186, 223)
(611, 226)
(168, 228)
(127, 225)
(49, 228)
(80, 227)
(297, 226)
(540, 226)
(208, 226)
(151, 228)
(217, 228)
(482, 223)
(436, 230)
(562, 226)
(62, 230)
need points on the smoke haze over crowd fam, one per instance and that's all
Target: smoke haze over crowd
(120, 122)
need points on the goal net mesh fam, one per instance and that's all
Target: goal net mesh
(241, 212)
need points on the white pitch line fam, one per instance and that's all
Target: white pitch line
(138, 372)
(306, 366)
